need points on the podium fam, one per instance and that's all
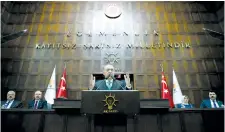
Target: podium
(109, 108)
(110, 102)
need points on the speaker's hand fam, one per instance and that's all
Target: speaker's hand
(92, 82)
(127, 80)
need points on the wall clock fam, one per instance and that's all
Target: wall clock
(113, 11)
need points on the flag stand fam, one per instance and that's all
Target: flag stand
(62, 98)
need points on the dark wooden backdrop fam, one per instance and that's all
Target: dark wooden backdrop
(26, 69)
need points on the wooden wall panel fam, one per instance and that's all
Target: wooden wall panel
(12, 81)
(198, 69)
(43, 81)
(22, 81)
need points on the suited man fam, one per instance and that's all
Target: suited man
(37, 102)
(11, 102)
(110, 83)
(211, 102)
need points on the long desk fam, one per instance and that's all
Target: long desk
(150, 120)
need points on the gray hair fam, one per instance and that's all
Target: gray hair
(12, 92)
(107, 65)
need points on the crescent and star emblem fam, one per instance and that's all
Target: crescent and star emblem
(164, 82)
(165, 91)
(62, 78)
(63, 88)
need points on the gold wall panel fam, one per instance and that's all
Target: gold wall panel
(198, 69)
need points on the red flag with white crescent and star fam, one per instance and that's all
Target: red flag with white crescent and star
(62, 93)
(165, 92)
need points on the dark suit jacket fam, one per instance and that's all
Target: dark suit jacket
(117, 85)
(42, 104)
(15, 104)
(207, 103)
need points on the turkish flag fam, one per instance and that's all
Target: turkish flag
(165, 92)
(62, 93)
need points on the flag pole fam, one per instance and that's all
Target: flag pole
(161, 80)
(55, 80)
(161, 67)
(64, 65)
(173, 66)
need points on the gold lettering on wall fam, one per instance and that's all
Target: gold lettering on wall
(139, 45)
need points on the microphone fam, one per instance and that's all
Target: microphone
(114, 79)
(119, 84)
(110, 75)
(102, 81)
(100, 84)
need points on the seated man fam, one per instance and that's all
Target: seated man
(211, 102)
(37, 102)
(185, 103)
(110, 83)
(11, 102)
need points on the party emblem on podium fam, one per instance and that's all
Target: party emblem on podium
(110, 101)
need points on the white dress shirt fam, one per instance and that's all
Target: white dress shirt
(107, 83)
(212, 104)
(9, 104)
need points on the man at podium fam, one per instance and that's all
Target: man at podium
(110, 83)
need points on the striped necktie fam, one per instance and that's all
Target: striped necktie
(214, 103)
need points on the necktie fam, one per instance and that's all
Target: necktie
(109, 84)
(36, 104)
(214, 103)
